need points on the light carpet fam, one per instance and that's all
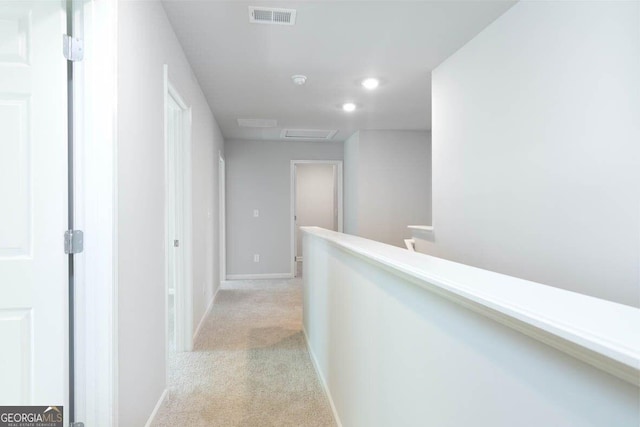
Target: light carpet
(250, 365)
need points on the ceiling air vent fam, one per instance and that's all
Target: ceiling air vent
(271, 15)
(257, 123)
(308, 134)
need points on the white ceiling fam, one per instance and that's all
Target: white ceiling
(245, 69)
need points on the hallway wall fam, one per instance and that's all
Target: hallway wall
(146, 43)
(536, 154)
(387, 184)
(259, 177)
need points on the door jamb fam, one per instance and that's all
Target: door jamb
(292, 198)
(95, 212)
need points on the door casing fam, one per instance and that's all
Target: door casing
(95, 208)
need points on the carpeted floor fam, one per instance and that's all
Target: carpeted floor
(250, 365)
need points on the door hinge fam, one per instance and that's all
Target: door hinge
(73, 241)
(76, 424)
(72, 48)
(176, 243)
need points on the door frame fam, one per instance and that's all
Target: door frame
(292, 198)
(95, 212)
(222, 251)
(183, 296)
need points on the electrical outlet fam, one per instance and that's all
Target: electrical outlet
(256, 213)
(256, 258)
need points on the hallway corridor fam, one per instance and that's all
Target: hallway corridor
(250, 365)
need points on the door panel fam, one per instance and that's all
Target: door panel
(15, 224)
(15, 371)
(33, 200)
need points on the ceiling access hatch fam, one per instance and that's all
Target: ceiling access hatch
(271, 15)
(308, 134)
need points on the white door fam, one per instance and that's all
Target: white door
(180, 274)
(316, 198)
(33, 201)
(175, 219)
(222, 218)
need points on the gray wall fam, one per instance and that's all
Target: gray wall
(259, 177)
(141, 230)
(387, 184)
(351, 183)
(536, 148)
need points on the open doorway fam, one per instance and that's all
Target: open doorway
(179, 319)
(316, 194)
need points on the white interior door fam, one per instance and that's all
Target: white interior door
(222, 218)
(175, 218)
(33, 200)
(179, 264)
(316, 198)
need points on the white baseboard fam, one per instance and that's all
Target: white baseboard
(327, 392)
(259, 276)
(205, 315)
(157, 408)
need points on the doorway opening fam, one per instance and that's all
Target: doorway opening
(316, 195)
(179, 302)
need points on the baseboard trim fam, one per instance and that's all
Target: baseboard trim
(325, 387)
(259, 276)
(157, 408)
(205, 315)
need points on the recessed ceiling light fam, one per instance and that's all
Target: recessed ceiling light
(370, 83)
(349, 106)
